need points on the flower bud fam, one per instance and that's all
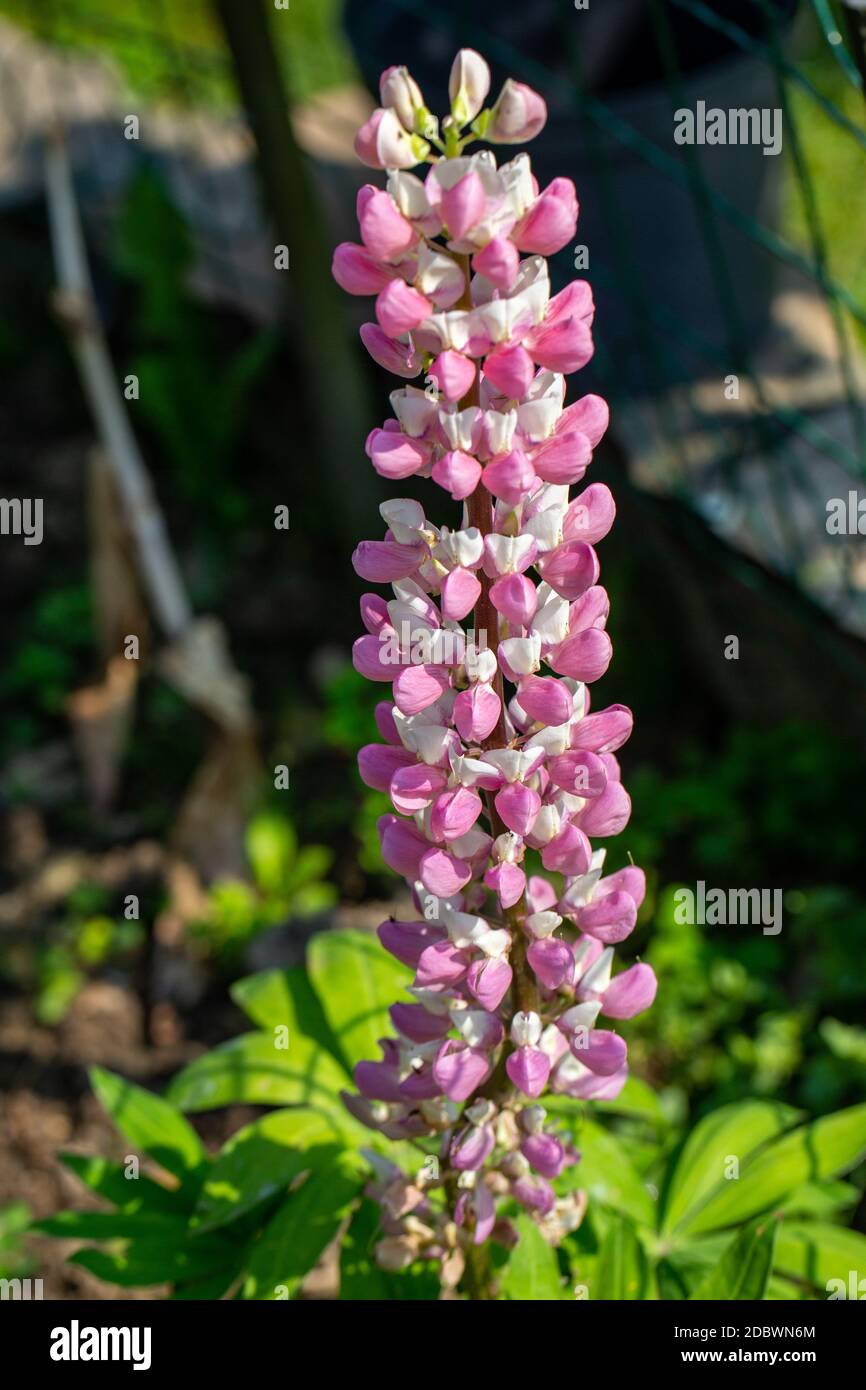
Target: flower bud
(468, 85)
(519, 114)
(398, 89)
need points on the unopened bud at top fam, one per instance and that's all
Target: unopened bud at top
(398, 89)
(468, 85)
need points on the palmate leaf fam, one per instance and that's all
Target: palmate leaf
(285, 999)
(151, 1124)
(107, 1179)
(356, 981)
(261, 1160)
(733, 1130)
(300, 1230)
(113, 1225)
(816, 1253)
(814, 1152)
(252, 1070)
(621, 1272)
(608, 1175)
(532, 1272)
(151, 1260)
(636, 1099)
(744, 1268)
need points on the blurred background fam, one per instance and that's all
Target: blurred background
(184, 389)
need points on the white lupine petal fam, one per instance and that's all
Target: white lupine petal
(516, 175)
(481, 666)
(552, 1041)
(578, 697)
(523, 654)
(543, 924)
(461, 925)
(475, 841)
(448, 172)
(581, 1015)
(509, 553)
(469, 771)
(432, 999)
(432, 742)
(554, 739)
(408, 725)
(500, 425)
(597, 977)
(414, 409)
(472, 1025)
(410, 195)
(568, 1071)
(551, 620)
(525, 1029)
(437, 273)
(547, 823)
(546, 527)
(459, 425)
(405, 518)
(463, 549)
(508, 848)
(508, 761)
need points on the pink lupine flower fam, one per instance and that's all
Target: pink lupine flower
(382, 142)
(488, 637)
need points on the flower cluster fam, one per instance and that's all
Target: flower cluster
(484, 755)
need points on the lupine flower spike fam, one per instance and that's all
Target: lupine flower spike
(489, 640)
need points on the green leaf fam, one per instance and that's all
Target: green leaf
(732, 1130)
(686, 1266)
(150, 1123)
(622, 1265)
(821, 1200)
(250, 1070)
(816, 1252)
(262, 1159)
(111, 1225)
(782, 1290)
(211, 1287)
(148, 1262)
(107, 1179)
(636, 1098)
(532, 1272)
(357, 981)
(744, 1268)
(814, 1152)
(362, 1279)
(608, 1175)
(271, 845)
(286, 999)
(295, 1237)
(310, 867)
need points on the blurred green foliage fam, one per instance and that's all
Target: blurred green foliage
(52, 966)
(15, 1263)
(288, 883)
(192, 398)
(174, 52)
(50, 638)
